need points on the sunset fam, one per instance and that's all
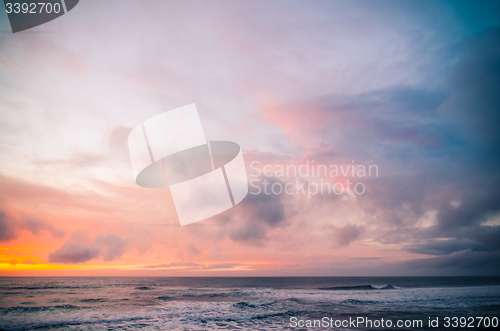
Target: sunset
(367, 131)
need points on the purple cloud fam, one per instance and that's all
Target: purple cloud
(108, 246)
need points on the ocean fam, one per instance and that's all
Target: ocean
(275, 303)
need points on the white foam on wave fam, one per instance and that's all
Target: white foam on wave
(379, 287)
(171, 316)
(267, 310)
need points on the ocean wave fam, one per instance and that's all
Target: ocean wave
(359, 302)
(168, 309)
(165, 298)
(210, 296)
(45, 287)
(254, 304)
(233, 295)
(17, 309)
(297, 300)
(360, 287)
(206, 316)
(94, 300)
(66, 323)
(14, 289)
(247, 317)
(383, 287)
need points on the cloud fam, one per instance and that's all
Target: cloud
(29, 262)
(77, 159)
(366, 120)
(475, 90)
(442, 242)
(172, 265)
(250, 221)
(35, 225)
(119, 135)
(194, 266)
(109, 246)
(476, 205)
(351, 82)
(112, 245)
(488, 236)
(457, 179)
(343, 236)
(252, 218)
(466, 259)
(191, 248)
(446, 247)
(7, 230)
(222, 266)
(75, 252)
(11, 228)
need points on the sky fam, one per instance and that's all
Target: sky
(412, 87)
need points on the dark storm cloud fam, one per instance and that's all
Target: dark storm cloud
(445, 247)
(488, 236)
(438, 152)
(475, 90)
(109, 246)
(459, 219)
(447, 146)
(475, 206)
(460, 260)
(476, 238)
(474, 106)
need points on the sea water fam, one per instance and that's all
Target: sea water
(132, 303)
